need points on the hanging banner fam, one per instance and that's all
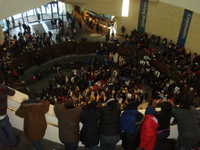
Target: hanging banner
(142, 15)
(187, 17)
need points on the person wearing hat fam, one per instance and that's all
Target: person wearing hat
(68, 123)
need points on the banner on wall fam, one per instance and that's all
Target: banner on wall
(143, 15)
(187, 17)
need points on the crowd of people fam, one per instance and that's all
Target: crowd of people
(105, 94)
(32, 42)
(106, 124)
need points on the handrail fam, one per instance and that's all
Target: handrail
(51, 124)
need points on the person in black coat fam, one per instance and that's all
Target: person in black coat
(164, 117)
(90, 131)
(130, 122)
(110, 125)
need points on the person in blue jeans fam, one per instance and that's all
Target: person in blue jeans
(7, 137)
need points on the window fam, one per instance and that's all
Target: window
(125, 8)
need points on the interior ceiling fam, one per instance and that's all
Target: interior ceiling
(12, 7)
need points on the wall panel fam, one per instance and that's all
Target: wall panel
(164, 20)
(193, 39)
(131, 21)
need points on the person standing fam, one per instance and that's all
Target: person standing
(187, 119)
(8, 24)
(164, 118)
(148, 132)
(68, 123)
(7, 136)
(20, 26)
(13, 21)
(110, 125)
(90, 131)
(35, 124)
(129, 128)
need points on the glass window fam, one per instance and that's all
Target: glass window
(32, 17)
(17, 16)
(54, 7)
(62, 9)
(46, 11)
(43, 8)
(24, 17)
(48, 8)
(38, 10)
(3, 24)
(31, 12)
(125, 8)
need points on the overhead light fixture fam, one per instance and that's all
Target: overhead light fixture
(125, 8)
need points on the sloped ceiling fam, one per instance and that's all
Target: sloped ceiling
(11, 7)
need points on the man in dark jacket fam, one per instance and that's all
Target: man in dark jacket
(164, 117)
(110, 125)
(90, 131)
(7, 137)
(187, 121)
(130, 120)
(68, 123)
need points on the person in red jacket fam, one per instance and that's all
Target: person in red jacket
(148, 131)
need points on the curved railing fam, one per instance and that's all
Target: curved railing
(52, 122)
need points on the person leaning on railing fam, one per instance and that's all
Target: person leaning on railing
(35, 124)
